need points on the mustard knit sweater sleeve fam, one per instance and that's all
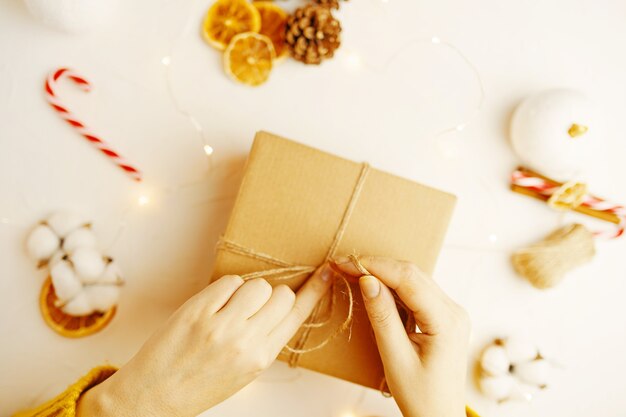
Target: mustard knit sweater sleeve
(64, 405)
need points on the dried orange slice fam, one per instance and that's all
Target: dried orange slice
(227, 18)
(249, 58)
(273, 25)
(66, 325)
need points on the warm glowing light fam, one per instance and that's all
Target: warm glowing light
(460, 127)
(208, 150)
(352, 61)
(143, 200)
(493, 238)
(348, 414)
(435, 40)
(166, 60)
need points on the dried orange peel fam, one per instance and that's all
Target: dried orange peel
(66, 325)
(249, 58)
(228, 18)
(568, 196)
(273, 25)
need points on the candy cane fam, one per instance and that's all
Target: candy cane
(64, 113)
(546, 188)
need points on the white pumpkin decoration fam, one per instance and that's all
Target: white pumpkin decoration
(512, 369)
(555, 132)
(73, 16)
(84, 280)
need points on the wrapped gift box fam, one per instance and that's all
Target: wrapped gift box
(291, 203)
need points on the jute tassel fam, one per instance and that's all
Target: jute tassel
(545, 263)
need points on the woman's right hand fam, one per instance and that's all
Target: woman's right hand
(425, 371)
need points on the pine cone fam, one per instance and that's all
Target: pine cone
(312, 34)
(331, 4)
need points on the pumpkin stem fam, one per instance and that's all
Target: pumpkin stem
(577, 130)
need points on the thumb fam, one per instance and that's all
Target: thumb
(393, 342)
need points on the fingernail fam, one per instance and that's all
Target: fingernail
(370, 286)
(326, 273)
(340, 260)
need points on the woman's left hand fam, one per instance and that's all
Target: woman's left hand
(214, 345)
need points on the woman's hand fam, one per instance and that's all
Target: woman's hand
(425, 371)
(215, 344)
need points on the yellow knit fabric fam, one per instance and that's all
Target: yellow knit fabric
(64, 405)
(470, 412)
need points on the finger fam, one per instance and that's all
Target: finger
(274, 311)
(306, 299)
(216, 295)
(420, 293)
(247, 300)
(393, 342)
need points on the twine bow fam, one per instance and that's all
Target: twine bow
(286, 270)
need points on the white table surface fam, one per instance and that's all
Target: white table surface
(382, 99)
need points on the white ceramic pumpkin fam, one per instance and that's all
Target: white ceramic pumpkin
(555, 133)
(73, 16)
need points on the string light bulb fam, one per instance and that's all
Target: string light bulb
(208, 150)
(143, 200)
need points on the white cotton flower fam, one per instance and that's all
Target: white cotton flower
(80, 305)
(102, 297)
(79, 238)
(513, 369)
(84, 280)
(64, 222)
(42, 243)
(497, 388)
(88, 264)
(111, 274)
(523, 392)
(519, 350)
(66, 283)
(536, 372)
(495, 360)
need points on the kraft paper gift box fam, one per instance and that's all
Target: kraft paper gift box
(292, 201)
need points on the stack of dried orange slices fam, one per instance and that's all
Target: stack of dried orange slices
(252, 36)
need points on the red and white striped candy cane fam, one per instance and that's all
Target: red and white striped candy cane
(51, 95)
(543, 187)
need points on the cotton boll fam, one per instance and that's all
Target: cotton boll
(42, 243)
(535, 373)
(523, 392)
(58, 256)
(494, 360)
(79, 305)
(102, 297)
(88, 264)
(64, 222)
(111, 275)
(66, 283)
(519, 350)
(79, 238)
(497, 387)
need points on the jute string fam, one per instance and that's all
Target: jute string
(546, 263)
(286, 270)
